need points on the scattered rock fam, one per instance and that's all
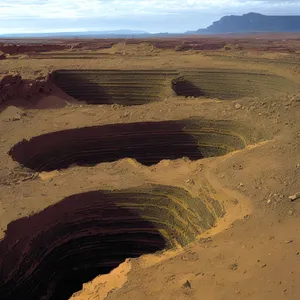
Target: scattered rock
(237, 167)
(190, 181)
(296, 98)
(206, 240)
(289, 241)
(237, 106)
(187, 284)
(233, 267)
(294, 197)
(269, 201)
(16, 118)
(235, 201)
(115, 106)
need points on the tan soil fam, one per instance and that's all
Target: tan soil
(254, 250)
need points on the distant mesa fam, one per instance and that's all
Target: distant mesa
(252, 23)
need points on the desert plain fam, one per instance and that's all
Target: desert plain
(164, 168)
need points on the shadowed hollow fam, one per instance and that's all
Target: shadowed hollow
(52, 253)
(147, 142)
(136, 87)
(229, 84)
(123, 87)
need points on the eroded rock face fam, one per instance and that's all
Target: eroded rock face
(51, 254)
(13, 86)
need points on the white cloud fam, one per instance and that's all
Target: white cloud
(73, 9)
(149, 15)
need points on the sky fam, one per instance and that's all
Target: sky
(29, 16)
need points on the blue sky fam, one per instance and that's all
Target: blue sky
(19, 16)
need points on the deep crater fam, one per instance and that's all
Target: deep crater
(137, 87)
(49, 255)
(147, 142)
(227, 84)
(124, 87)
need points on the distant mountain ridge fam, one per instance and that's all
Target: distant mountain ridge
(108, 33)
(253, 22)
(247, 23)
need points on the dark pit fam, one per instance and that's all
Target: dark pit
(227, 84)
(123, 87)
(50, 254)
(147, 142)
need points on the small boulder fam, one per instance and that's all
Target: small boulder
(187, 284)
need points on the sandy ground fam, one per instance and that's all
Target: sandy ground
(254, 251)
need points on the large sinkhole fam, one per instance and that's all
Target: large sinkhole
(230, 84)
(147, 142)
(124, 87)
(50, 255)
(136, 87)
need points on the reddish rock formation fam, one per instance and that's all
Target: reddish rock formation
(13, 86)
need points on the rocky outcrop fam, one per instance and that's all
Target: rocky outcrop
(14, 86)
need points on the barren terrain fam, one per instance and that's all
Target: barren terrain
(150, 169)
